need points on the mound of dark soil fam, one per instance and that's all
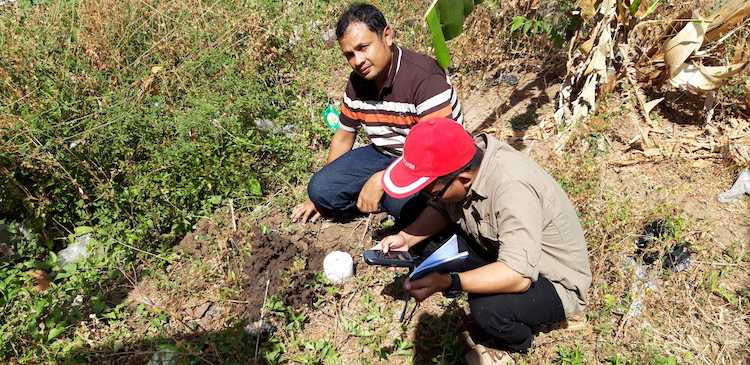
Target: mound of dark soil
(285, 266)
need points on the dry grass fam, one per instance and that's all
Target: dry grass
(637, 312)
(681, 312)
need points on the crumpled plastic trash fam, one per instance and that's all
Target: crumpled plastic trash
(258, 330)
(265, 125)
(643, 282)
(268, 126)
(332, 117)
(678, 259)
(165, 356)
(654, 232)
(740, 188)
(75, 252)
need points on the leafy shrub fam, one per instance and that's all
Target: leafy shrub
(122, 114)
(136, 118)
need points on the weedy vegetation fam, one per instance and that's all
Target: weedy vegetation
(123, 123)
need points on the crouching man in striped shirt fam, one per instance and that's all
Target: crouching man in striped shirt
(390, 90)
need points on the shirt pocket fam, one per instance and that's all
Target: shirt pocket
(488, 236)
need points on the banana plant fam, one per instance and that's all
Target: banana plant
(446, 21)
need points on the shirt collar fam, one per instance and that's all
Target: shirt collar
(478, 188)
(395, 66)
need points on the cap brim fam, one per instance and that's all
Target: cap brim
(399, 182)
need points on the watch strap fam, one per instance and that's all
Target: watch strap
(455, 288)
(455, 282)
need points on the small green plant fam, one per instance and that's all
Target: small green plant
(631, 15)
(319, 352)
(617, 360)
(402, 347)
(296, 318)
(154, 317)
(446, 329)
(613, 305)
(276, 306)
(670, 360)
(372, 310)
(523, 121)
(531, 26)
(273, 351)
(570, 356)
(353, 328)
(321, 280)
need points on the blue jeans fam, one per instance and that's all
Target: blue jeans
(335, 188)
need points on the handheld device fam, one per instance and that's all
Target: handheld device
(391, 258)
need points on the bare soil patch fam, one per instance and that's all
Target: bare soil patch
(283, 258)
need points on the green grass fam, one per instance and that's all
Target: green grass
(137, 121)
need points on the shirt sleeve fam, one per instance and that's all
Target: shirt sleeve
(435, 98)
(520, 226)
(348, 120)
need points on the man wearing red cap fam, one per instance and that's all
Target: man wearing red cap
(528, 263)
(390, 90)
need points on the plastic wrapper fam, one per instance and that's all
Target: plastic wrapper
(75, 252)
(331, 117)
(740, 188)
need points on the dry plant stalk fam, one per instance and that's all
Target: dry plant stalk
(691, 57)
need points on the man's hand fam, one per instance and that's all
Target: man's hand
(431, 283)
(394, 242)
(391, 243)
(304, 210)
(372, 192)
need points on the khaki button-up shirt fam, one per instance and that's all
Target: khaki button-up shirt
(517, 210)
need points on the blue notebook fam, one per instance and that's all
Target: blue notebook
(446, 258)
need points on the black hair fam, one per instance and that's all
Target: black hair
(472, 165)
(362, 13)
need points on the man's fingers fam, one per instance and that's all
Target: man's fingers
(303, 211)
(310, 212)
(305, 215)
(370, 206)
(296, 217)
(385, 245)
(422, 288)
(362, 205)
(298, 211)
(366, 206)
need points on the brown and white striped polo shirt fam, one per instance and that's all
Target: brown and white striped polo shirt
(417, 89)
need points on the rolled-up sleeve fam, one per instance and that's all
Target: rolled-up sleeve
(519, 228)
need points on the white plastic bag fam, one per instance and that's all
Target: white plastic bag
(76, 251)
(740, 187)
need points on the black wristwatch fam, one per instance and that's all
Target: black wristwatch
(455, 288)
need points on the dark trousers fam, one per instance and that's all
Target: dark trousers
(335, 188)
(508, 317)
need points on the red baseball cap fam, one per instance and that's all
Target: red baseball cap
(433, 148)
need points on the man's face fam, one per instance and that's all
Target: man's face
(369, 56)
(454, 192)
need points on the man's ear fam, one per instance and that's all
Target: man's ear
(388, 35)
(465, 177)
